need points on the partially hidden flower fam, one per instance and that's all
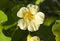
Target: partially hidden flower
(30, 18)
(34, 38)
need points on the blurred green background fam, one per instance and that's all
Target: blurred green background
(48, 31)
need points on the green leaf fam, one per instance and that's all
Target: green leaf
(57, 38)
(39, 1)
(2, 36)
(3, 17)
(56, 30)
(49, 21)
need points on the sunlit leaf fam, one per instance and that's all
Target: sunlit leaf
(39, 1)
(49, 21)
(2, 36)
(3, 17)
(56, 30)
(57, 38)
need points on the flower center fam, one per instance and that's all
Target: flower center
(28, 16)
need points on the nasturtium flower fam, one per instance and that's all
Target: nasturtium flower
(34, 38)
(30, 18)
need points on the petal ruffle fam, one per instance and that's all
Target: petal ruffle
(39, 18)
(22, 24)
(21, 12)
(33, 8)
(32, 27)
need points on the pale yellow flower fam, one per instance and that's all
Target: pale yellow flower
(34, 38)
(30, 18)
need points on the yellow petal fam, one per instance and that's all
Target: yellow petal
(35, 38)
(28, 37)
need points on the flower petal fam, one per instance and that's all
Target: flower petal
(32, 27)
(39, 18)
(41, 14)
(33, 8)
(35, 25)
(22, 24)
(21, 12)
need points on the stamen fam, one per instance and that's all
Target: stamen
(28, 16)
